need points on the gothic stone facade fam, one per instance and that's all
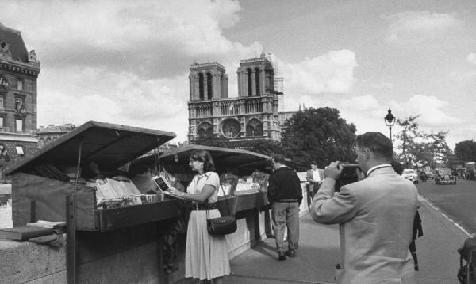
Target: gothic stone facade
(19, 71)
(252, 115)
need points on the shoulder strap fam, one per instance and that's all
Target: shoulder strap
(230, 212)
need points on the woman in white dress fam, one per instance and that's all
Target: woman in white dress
(206, 256)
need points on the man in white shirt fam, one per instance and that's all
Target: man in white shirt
(314, 178)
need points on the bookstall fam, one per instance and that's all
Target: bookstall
(76, 179)
(115, 227)
(243, 173)
(102, 204)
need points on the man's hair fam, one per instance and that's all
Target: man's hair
(313, 163)
(377, 143)
(279, 158)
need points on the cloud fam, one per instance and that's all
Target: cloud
(471, 58)
(149, 38)
(332, 72)
(361, 103)
(430, 108)
(417, 26)
(92, 94)
(124, 61)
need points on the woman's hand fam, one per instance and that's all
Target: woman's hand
(176, 192)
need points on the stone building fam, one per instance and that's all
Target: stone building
(252, 115)
(48, 134)
(19, 71)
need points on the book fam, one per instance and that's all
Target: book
(23, 233)
(47, 224)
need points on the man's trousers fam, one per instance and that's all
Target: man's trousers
(286, 214)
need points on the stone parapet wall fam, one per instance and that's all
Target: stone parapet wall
(26, 262)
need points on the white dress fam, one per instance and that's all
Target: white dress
(206, 256)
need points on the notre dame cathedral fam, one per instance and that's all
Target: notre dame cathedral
(252, 115)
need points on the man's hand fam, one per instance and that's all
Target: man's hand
(333, 170)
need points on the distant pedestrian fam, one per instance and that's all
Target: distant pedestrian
(375, 215)
(285, 195)
(314, 177)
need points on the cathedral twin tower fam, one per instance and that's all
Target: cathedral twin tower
(251, 115)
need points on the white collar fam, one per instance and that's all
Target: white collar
(377, 167)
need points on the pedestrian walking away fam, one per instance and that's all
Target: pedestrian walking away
(285, 196)
(375, 215)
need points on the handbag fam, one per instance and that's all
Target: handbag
(222, 225)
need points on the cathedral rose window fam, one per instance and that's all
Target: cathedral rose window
(230, 128)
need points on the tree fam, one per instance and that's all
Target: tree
(408, 137)
(439, 148)
(318, 134)
(419, 149)
(466, 150)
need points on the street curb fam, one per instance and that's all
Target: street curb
(435, 208)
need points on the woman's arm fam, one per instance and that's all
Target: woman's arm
(206, 192)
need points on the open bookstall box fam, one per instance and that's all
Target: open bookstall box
(41, 178)
(238, 164)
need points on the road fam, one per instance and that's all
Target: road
(457, 201)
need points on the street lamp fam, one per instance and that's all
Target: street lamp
(389, 121)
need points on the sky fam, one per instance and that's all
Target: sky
(127, 62)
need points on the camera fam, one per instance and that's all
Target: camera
(161, 183)
(350, 173)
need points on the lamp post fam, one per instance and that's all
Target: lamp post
(390, 121)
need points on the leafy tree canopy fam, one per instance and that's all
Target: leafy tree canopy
(420, 149)
(466, 150)
(318, 134)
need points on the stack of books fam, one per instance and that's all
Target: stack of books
(31, 230)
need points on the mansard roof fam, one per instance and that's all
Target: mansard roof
(14, 40)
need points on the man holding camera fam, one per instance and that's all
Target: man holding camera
(375, 216)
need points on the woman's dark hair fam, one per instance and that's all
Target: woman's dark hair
(205, 157)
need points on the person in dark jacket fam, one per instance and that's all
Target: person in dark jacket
(285, 195)
(417, 227)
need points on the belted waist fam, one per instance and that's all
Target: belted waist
(287, 200)
(204, 206)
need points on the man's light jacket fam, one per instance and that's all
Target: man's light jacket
(376, 218)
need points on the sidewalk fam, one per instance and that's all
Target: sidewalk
(319, 252)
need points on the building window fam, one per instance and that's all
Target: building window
(201, 87)
(29, 86)
(2, 122)
(20, 104)
(205, 130)
(209, 86)
(20, 150)
(2, 100)
(254, 128)
(230, 128)
(250, 87)
(257, 81)
(20, 84)
(3, 82)
(20, 125)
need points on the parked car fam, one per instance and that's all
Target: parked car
(444, 176)
(411, 175)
